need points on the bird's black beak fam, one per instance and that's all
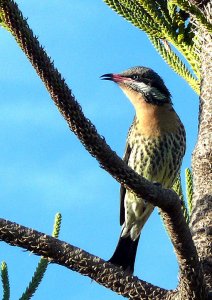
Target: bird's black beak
(108, 76)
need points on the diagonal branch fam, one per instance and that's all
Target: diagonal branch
(167, 200)
(73, 258)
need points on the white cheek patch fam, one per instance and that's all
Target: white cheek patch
(143, 87)
(146, 89)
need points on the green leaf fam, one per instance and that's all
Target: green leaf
(175, 62)
(177, 187)
(42, 265)
(189, 188)
(134, 13)
(194, 11)
(5, 281)
(165, 23)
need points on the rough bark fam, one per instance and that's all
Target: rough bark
(80, 261)
(201, 218)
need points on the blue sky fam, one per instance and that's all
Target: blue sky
(44, 168)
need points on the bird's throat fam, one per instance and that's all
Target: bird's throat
(153, 120)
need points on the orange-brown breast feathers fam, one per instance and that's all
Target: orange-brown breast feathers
(152, 120)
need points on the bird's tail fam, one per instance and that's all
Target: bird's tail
(125, 253)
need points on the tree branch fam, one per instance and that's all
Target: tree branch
(167, 200)
(73, 258)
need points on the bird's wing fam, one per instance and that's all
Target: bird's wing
(126, 157)
(123, 189)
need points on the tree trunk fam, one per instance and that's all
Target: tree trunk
(201, 219)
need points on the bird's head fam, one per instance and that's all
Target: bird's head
(141, 83)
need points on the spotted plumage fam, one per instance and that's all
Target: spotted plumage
(154, 149)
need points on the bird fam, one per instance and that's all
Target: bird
(155, 146)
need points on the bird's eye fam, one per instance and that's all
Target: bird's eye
(135, 77)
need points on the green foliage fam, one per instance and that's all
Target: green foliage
(189, 188)
(168, 22)
(141, 19)
(177, 187)
(57, 225)
(175, 62)
(5, 281)
(186, 204)
(36, 279)
(195, 11)
(42, 265)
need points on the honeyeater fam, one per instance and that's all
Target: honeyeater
(155, 147)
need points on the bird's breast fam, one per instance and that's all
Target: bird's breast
(157, 157)
(152, 120)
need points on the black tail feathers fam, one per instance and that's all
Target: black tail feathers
(125, 253)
